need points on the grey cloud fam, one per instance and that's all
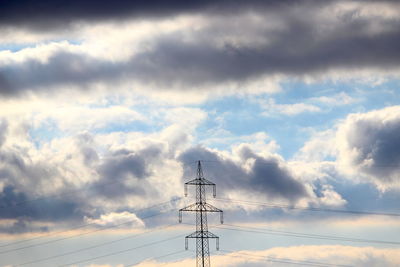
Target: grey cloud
(125, 172)
(19, 199)
(300, 48)
(17, 169)
(85, 143)
(373, 144)
(22, 225)
(62, 69)
(3, 131)
(275, 180)
(17, 205)
(19, 226)
(21, 195)
(266, 177)
(46, 15)
(120, 165)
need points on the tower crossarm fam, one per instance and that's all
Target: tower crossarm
(203, 207)
(210, 208)
(204, 234)
(200, 182)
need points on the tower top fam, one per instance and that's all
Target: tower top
(199, 170)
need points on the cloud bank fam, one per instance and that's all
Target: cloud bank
(304, 41)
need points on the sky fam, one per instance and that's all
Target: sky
(293, 107)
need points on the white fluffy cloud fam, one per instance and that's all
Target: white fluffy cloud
(116, 218)
(363, 147)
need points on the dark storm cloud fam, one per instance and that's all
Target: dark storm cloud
(124, 172)
(21, 180)
(57, 13)
(62, 68)
(123, 163)
(266, 177)
(295, 51)
(17, 205)
(373, 144)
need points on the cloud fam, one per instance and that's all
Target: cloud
(308, 105)
(36, 187)
(3, 131)
(85, 173)
(270, 108)
(52, 14)
(116, 218)
(368, 144)
(17, 205)
(338, 99)
(306, 42)
(114, 172)
(85, 118)
(266, 177)
(363, 147)
(125, 171)
(330, 197)
(17, 168)
(319, 147)
(84, 134)
(71, 178)
(20, 225)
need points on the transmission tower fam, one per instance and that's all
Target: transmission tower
(201, 208)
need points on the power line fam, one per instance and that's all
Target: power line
(81, 226)
(159, 257)
(95, 246)
(282, 206)
(122, 251)
(260, 258)
(305, 235)
(275, 260)
(81, 234)
(279, 260)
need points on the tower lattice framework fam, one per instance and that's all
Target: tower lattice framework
(201, 208)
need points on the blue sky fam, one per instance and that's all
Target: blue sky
(292, 107)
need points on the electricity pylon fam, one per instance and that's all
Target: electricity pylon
(201, 208)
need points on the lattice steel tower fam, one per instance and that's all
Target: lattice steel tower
(201, 208)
